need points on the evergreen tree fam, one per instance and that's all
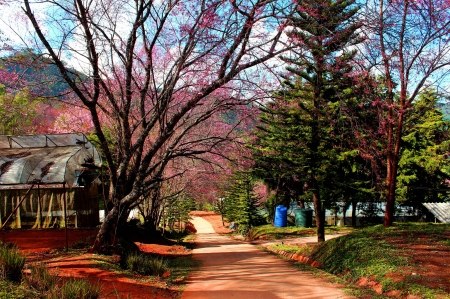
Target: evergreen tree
(241, 203)
(424, 166)
(304, 143)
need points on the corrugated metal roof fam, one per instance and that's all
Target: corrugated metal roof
(48, 159)
(439, 209)
(44, 140)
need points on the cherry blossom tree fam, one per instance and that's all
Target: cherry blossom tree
(157, 70)
(409, 44)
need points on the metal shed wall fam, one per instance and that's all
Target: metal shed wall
(44, 208)
(441, 210)
(52, 167)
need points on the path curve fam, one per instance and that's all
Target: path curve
(236, 270)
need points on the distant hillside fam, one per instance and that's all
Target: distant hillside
(37, 73)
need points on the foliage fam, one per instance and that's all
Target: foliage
(50, 286)
(180, 267)
(17, 112)
(300, 139)
(177, 210)
(219, 207)
(11, 262)
(241, 205)
(11, 290)
(40, 279)
(28, 69)
(423, 165)
(153, 84)
(76, 288)
(272, 232)
(372, 253)
(146, 264)
(302, 250)
(402, 45)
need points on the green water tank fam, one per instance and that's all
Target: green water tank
(303, 217)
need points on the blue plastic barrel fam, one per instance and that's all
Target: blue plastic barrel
(280, 216)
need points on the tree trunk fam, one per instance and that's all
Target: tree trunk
(319, 215)
(354, 204)
(320, 223)
(392, 166)
(390, 197)
(106, 237)
(344, 211)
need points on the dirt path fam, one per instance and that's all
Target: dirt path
(232, 269)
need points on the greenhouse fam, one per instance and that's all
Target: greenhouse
(49, 180)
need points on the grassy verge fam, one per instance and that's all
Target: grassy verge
(382, 256)
(270, 232)
(180, 268)
(173, 270)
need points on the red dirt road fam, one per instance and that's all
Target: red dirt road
(233, 269)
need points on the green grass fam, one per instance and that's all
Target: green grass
(45, 285)
(76, 288)
(11, 263)
(11, 290)
(302, 250)
(180, 267)
(378, 253)
(272, 232)
(40, 279)
(146, 264)
(360, 254)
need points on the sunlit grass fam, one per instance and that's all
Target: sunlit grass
(377, 253)
(272, 232)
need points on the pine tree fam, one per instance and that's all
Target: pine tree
(304, 140)
(241, 203)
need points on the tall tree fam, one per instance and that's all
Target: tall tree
(157, 70)
(17, 112)
(424, 165)
(241, 204)
(409, 44)
(318, 79)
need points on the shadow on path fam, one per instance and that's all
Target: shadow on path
(234, 270)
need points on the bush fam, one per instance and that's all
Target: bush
(145, 264)
(11, 263)
(76, 288)
(49, 286)
(40, 279)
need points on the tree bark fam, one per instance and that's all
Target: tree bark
(106, 236)
(319, 215)
(354, 204)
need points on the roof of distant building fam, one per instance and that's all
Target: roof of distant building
(45, 159)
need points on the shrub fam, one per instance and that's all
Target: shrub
(40, 279)
(145, 264)
(49, 286)
(11, 263)
(76, 288)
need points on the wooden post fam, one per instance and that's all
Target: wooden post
(18, 205)
(65, 216)
(40, 207)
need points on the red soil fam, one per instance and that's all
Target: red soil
(49, 246)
